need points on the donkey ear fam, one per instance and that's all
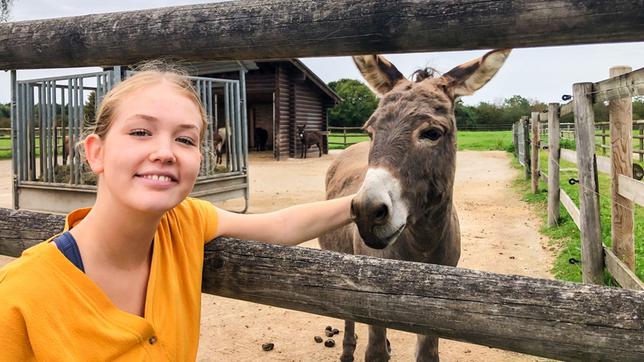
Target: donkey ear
(469, 77)
(379, 73)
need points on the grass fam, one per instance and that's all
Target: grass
(466, 140)
(5, 143)
(485, 140)
(565, 237)
(337, 140)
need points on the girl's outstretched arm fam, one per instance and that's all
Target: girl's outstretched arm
(289, 226)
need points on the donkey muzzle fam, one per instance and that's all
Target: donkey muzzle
(378, 209)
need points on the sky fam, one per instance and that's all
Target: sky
(543, 74)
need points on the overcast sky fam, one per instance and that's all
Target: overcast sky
(535, 73)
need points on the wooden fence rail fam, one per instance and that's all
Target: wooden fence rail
(256, 29)
(348, 134)
(536, 316)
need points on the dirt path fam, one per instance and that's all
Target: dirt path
(500, 234)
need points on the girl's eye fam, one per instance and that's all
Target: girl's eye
(431, 134)
(186, 140)
(139, 132)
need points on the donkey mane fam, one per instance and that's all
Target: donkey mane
(421, 74)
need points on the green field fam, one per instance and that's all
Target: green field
(5, 143)
(466, 140)
(484, 141)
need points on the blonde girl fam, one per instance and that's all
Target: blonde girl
(123, 281)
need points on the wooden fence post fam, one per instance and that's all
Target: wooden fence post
(514, 138)
(592, 254)
(534, 154)
(526, 146)
(621, 156)
(553, 164)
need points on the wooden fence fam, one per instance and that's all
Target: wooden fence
(618, 90)
(602, 136)
(511, 312)
(348, 136)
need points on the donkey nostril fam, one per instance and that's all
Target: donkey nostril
(381, 212)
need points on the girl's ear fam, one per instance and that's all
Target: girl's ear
(94, 152)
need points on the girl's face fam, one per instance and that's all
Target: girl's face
(149, 159)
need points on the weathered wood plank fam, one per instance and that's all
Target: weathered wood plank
(512, 312)
(620, 85)
(631, 189)
(566, 109)
(570, 206)
(534, 151)
(621, 272)
(269, 29)
(603, 163)
(592, 263)
(526, 147)
(20, 230)
(553, 163)
(620, 112)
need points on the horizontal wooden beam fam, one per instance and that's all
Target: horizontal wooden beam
(270, 29)
(570, 206)
(623, 86)
(517, 313)
(631, 189)
(620, 272)
(603, 163)
(566, 109)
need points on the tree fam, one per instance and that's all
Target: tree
(466, 116)
(514, 108)
(89, 110)
(358, 103)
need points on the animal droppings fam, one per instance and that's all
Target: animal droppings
(317, 339)
(336, 331)
(328, 328)
(268, 346)
(329, 343)
(328, 333)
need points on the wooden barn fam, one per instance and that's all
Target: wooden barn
(280, 96)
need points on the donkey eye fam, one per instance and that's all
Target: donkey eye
(431, 134)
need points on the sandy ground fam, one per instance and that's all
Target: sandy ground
(499, 232)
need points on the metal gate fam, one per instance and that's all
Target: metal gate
(49, 118)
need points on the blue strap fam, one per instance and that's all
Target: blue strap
(67, 245)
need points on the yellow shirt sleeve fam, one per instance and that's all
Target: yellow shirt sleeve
(208, 215)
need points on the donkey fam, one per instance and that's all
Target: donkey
(404, 177)
(219, 142)
(308, 139)
(261, 137)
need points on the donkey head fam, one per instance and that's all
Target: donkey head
(412, 158)
(300, 131)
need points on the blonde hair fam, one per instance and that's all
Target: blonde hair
(147, 74)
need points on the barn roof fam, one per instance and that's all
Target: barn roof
(214, 67)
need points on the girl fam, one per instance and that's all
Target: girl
(123, 281)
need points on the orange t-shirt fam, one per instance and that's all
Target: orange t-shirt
(51, 311)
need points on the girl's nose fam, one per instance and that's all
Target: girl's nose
(163, 153)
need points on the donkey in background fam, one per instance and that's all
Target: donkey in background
(310, 138)
(219, 143)
(404, 178)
